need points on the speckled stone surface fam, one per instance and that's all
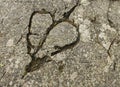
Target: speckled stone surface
(93, 62)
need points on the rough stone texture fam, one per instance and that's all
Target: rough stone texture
(93, 62)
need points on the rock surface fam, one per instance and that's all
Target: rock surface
(93, 62)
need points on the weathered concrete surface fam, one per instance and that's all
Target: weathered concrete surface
(94, 62)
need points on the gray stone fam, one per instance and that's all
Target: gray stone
(93, 62)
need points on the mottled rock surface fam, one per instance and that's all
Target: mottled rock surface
(93, 62)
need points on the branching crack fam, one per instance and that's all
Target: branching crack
(110, 57)
(112, 25)
(37, 62)
(111, 60)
